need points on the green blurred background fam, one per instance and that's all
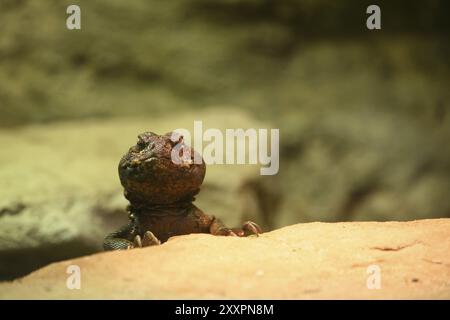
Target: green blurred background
(363, 115)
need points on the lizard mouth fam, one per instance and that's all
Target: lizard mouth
(138, 161)
(137, 165)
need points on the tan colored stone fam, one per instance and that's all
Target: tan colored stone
(303, 261)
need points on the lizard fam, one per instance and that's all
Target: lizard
(161, 193)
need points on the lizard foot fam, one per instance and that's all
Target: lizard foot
(248, 227)
(150, 240)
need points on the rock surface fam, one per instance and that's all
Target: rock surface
(314, 260)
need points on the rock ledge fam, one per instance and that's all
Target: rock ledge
(303, 261)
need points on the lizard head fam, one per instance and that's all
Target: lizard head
(150, 175)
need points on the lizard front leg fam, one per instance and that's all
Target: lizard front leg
(122, 239)
(128, 238)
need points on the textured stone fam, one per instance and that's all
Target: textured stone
(303, 261)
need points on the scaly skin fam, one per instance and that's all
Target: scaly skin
(161, 193)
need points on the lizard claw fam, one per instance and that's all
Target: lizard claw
(252, 227)
(150, 239)
(137, 243)
(226, 232)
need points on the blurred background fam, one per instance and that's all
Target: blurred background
(363, 115)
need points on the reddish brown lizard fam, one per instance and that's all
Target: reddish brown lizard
(161, 192)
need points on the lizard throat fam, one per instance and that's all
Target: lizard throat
(180, 208)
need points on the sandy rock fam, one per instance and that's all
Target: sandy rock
(303, 261)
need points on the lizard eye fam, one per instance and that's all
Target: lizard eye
(141, 143)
